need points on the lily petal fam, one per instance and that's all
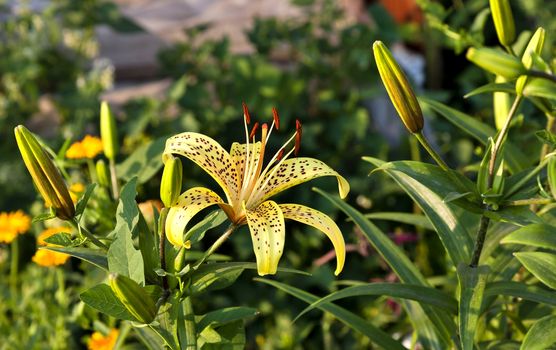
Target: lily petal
(266, 224)
(209, 155)
(295, 171)
(238, 153)
(321, 222)
(188, 205)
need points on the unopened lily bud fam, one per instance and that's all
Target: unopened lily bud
(108, 131)
(134, 297)
(170, 186)
(534, 47)
(502, 104)
(503, 21)
(551, 173)
(45, 174)
(496, 61)
(398, 88)
(103, 174)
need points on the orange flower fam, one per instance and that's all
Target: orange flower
(13, 224)
(99, 341)
(89, 147)
(75, 191)
(45, 257)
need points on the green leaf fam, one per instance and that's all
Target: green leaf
(406, 271)
(144, 162)
(44, 216)
(521, 290)
(93, 256)
(472, 281)
(102, 298)
(84, 199)
(405, 218)
(149, 338)
(542, 335)
(212, 220)
(540, 264)
(61, 238)
(514, 157)
(216, 276)
(123, 258)
(230, 337)
(359, 324)
(427, 185)
(491, 87)
(539, 87)
(226, 315)
(546, 137)
(415, 292)
(536, 235)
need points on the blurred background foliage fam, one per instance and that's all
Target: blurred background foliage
(317, 68)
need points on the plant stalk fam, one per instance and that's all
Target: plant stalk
(190, 326)
(529, 201)
(541, 74)
(480, 240)
(425, 143)
(84, 232)
(114, 179)
(215, 245)
(162, 247)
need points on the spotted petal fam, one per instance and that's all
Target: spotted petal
(238, 154)
(295, 171)
(209, 155)
(188, 205)
(323, 223)
(266, 224)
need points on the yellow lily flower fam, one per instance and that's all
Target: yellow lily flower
(248, 187)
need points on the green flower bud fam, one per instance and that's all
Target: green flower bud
(103, 174)
(134, 297)
(108, 131)
(398, 88)
(170, 186)
(502, 105)
(496, 61)
(551, 173)
(503, 21)
(534, 46)
(45, 174)
(539, 87)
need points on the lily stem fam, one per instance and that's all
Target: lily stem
(529, 201)
(85, 232)
(190, 326)
(216, 245)
(114, 179)
(162, 247)
(485, 221)
(425, 143)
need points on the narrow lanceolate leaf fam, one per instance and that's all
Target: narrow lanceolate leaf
(415, 292)
(542, 335)
(514, 157)
(434, 327)
(226, 315)
(355, 322)
(521, 290)
(536, 235)
(404, 218)
(496, 61)
(540, 264)
(424, 183)
(472, 281)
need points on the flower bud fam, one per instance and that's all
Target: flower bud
(551, 173)
(170, 186)
(502, 104)
(503, 21)
(539, 87)
(398, 88)
(103, 174)
(108, 131)
(45, 174)
(135, 299)
(534, 46)
(496, 61)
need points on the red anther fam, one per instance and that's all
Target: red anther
(254, 130)
(298, 133)
(264, 127)
(246, 113)
(280, 155)
(276, 118)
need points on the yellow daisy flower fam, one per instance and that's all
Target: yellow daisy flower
(75, 191)
(89, 147)
(99, 341)
(248, 187)
(45, 257)
(13, 224)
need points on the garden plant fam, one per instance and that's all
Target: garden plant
(154, 271)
